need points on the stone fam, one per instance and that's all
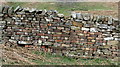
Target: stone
(24, 42)
(68, 23)
(93, 40)
(10, 10)
(90, 37)
(118, 39)
(111, 27)
(77, 24)
(108, 38)
(57, 44)
(73, 15)
(103, 26)
(58, 33)
(79, 16)
(80, 34)
(1, 15)
(93, 30)
(113, 42)
(1, 8)
(61, 28)
(2, 22)
(110, 21)
(91, 17)
(60, 15)
(5, 10)
(85, 29)
(86, 16)
(13, 41)
(66, 38)
(77, 20)
(39, 42)
(47, 43)
(65, 45)
(95, 18)
(17, 8)
(87, 25)
(97, 43)
(75, 28)
(84, 22)
(47, 19)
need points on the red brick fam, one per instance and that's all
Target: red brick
(65, 35)
(40, 34)
(90, 43)
(58, 40)
(73, 41)
(98, 33)
(56, 35)
(85, 32)
(49, 24)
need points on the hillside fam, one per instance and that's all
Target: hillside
(22, 55)
(66, 8)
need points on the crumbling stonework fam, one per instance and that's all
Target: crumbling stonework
(79, 35)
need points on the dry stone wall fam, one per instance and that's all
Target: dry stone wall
(79, 35)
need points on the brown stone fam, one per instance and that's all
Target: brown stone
(77, 24)
(113, 42)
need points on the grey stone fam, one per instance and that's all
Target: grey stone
(73, 15)
(87, 25)
(77, 20)
(79, 16)
(20, 13)
(24, 42)
(47, 43)
(2, 22)
(75, 28)
(110, 21)
(17, 8)
(56, 44)
(86, 16)
(93, 30)
(1, 8)
(60, 15)
(111, 27)
(68, 23)
(85, 29)
(10, 10)
(103, 26)
(108, 38)
(5, 10)
(117, 39)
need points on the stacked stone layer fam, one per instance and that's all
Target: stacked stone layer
(79, 35)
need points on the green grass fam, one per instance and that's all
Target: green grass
(15, 4)
(59, 60)
(54, 58)
(65, 8)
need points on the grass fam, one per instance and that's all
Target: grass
(54, 58)
(65, 8)
(15, 4)
(59, 60)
